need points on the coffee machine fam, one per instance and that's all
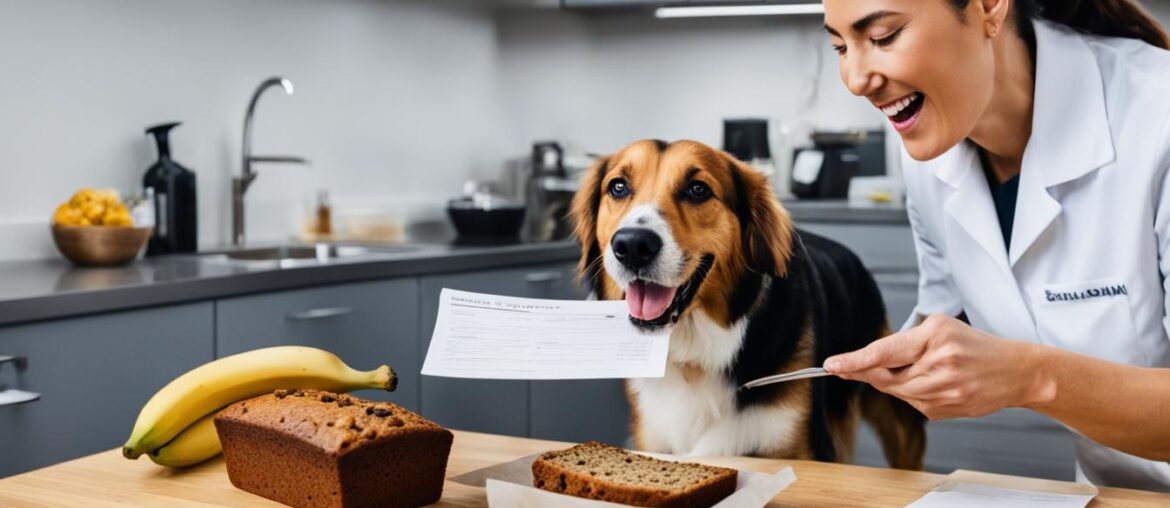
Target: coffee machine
(549, 193)
(824, 171)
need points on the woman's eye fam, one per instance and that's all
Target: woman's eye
(619, 188)
(887, 40)
(698, 191)
(840, 50)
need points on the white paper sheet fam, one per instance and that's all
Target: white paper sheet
(497, 337)
(964, 489)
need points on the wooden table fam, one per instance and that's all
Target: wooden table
(107, 479)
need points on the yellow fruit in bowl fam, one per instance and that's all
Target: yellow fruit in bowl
(108, 197)
(93, 207)
(117, 219)
(94, 211)
(66, 215)
(83, 197)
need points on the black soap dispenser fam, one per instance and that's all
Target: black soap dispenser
(175, 226)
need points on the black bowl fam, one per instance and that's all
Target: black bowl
(493, 224)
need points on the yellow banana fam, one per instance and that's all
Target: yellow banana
(214, 385)
(195, 444)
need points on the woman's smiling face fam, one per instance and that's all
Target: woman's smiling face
(926, 65)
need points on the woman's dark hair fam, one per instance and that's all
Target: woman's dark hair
(1112, 18)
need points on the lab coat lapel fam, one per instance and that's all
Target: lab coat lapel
(971, 207)
(976, 248)
(1070, 131)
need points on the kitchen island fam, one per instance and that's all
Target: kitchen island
(107, 479)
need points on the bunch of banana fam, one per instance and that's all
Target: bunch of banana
(175, 427)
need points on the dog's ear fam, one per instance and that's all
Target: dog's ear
(766, 228)
(586, 204)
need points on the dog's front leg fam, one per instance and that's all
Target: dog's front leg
(721, 439)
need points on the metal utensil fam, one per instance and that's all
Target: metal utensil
(788, 376)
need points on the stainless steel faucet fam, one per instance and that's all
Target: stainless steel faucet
(241, 183)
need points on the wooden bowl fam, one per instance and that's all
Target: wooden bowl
(100, 245)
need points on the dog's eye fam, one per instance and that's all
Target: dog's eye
(619, 188)
(698, 191)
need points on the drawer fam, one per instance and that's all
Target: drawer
(882, 247)
(365, 324)
(899, 293)
(495, 406)
(581, 410)
(1012, 441)
(94, 374)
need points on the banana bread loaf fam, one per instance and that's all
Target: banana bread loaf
(308, 448)
(598, 471)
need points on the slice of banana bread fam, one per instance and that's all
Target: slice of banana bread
(307, 448)
(599, 471)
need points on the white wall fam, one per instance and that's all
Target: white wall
(398, 101)
(603, 80)
(395, 102)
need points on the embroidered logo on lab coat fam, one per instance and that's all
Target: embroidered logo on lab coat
(1079, 292)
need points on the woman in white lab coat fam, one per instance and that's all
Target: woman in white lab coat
(1038, 187)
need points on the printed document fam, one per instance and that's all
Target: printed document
(498, 337)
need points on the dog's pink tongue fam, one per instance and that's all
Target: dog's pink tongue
(648, 301)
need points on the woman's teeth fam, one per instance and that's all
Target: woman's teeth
(897, 107)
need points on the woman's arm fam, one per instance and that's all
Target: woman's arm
(1118, 405)
(947, 369)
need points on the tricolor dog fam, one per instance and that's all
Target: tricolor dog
(696, 241)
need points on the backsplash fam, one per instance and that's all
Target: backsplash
(397, 101)
(388, 112)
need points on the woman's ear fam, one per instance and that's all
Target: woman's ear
(765, 226)
(583, 213)
(995, 14)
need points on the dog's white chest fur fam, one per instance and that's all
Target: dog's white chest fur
(691, 410)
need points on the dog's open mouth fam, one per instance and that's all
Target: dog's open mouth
(652, 306)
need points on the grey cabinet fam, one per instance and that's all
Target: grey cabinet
(365, 324)
(1012, 441)
(495, 406)
(578, 410)
(94, 374)
(899, 293)
(882, 247)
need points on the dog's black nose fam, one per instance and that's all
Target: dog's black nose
(636, 247)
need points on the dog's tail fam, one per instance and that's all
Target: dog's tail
(900, 428)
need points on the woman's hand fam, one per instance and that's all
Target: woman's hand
(947, 369)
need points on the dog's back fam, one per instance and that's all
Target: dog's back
(851, 316)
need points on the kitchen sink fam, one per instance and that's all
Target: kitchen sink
(296, 254)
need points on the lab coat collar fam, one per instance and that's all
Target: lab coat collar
(1070, 125)
(1070, 138)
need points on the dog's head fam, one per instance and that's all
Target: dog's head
(678, 226)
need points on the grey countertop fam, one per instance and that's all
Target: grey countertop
(53, 288)
(839, 212)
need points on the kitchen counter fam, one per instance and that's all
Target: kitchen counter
(53, 288)
(108, 479)
(838, 211)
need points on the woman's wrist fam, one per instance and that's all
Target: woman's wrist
(1038, 375)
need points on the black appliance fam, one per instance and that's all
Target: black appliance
(175, 224)
(746, 138)
(549, 193)
(824, 171)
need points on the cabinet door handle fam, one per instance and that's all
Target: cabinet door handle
(543, 277)
(12, 397)
(324, 313)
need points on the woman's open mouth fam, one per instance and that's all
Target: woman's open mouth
(652, 306)
(905, 112)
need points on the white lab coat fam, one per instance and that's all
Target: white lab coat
(1090, 245)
